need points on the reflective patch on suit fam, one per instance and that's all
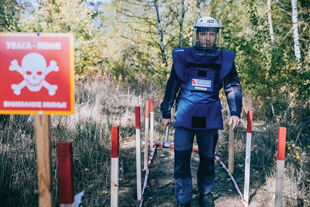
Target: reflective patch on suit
(179, 50)
(202, 84)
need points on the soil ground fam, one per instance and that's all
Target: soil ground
(160, 187)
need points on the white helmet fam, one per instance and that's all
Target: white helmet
(206, 24)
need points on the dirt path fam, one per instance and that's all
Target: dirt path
(160, 188)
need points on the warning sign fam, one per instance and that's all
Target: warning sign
(36, 73)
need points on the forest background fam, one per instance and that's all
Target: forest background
(129, 43)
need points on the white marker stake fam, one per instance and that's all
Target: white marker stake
(146, 143)
(114, 166)
(231, 150)
(280, 165)
(152, 123)
(247, 160)
(138, 153)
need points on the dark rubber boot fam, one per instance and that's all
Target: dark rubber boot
(183, 205)
(206, 200)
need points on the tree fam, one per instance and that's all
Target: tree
(296, 35)
(270, 21)
(77, 18)
(160, 33)
(8, 15)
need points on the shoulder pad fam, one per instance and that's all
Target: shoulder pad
(178, 52)
(229, 54)
(179, 61)
(228, 59)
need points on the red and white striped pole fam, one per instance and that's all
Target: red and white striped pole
(280, 165)
(147, 122)
(138, 152)
(247, 160)
(152, 123)
(114, 166)
(65, 174)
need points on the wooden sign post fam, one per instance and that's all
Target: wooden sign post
(152, 123)
(247, 160)
(138, 153)
(65, 174)
(231, 150)
(43, 146)
(280, 166)
(146, 142)
(114, 166)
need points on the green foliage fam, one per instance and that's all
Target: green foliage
(141, 54)
(8, 15)
(267, 72)
(122, 38)
(76, 18)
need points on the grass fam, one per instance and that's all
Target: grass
(101, 103)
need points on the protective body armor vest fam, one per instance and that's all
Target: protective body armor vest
(201, 77)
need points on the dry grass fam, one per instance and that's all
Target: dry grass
(101, 103)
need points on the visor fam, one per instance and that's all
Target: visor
(206, 38)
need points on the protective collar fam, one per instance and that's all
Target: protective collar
(181, 56)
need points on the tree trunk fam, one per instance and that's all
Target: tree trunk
(20, 9)
(160, 32)
(296, 35)
(181, 24)
(270, 21)
(198, 6)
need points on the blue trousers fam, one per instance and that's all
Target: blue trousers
(183, 143)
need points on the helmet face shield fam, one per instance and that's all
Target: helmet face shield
(206, 34)
(205, 38)
(207, 29)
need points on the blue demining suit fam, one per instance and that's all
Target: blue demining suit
(199, 75)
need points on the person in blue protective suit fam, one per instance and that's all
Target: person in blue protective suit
(197, 75)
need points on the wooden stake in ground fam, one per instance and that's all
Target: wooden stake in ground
(280, 165)
(138, 152)
(247, 160)
(11, 117)
(114, 166)
(152, 123)
(231, 150)
(65, 174)
(43, 142)
(147, 122)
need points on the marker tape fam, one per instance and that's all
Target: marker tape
(223, 165)
(147, 172)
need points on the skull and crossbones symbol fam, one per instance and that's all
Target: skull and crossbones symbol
(34, 70)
